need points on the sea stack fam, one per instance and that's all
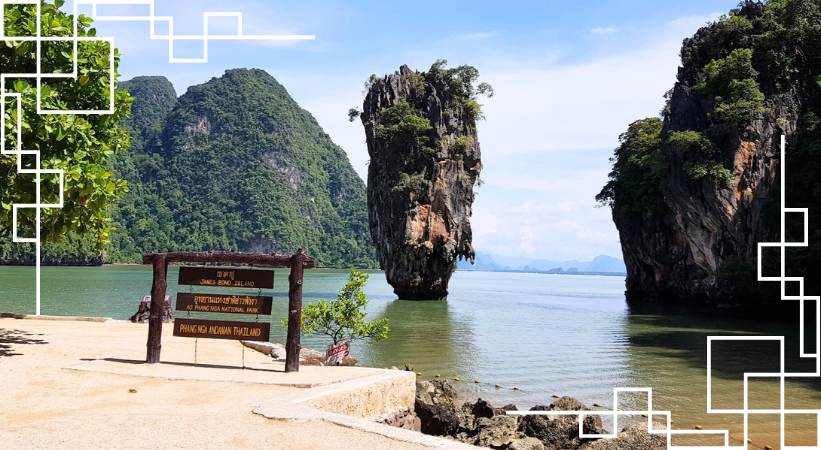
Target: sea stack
(695, 191)
(424, 164)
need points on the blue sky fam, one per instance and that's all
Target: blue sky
(569, 77)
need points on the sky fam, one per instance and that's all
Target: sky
(569, 77)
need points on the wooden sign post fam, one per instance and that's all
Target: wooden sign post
(228, 278)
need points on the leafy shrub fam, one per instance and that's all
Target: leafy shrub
(81, 145)
(731, 81)
(411, 183)
(638, 168)
(343, 319)
(700, 156)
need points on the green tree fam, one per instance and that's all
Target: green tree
(80, 145)
(343, 319)
(732, 83)
(639, 167)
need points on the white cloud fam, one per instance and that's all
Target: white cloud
(550, 130)
(603, 30)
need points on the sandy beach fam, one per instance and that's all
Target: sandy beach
(73, 384)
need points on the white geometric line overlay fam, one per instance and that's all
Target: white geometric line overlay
(782, 375)
(74, 39)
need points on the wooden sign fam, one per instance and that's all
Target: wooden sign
(222, 329)
(219, 303)
(221, 277)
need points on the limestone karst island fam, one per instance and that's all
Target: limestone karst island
(375, 225)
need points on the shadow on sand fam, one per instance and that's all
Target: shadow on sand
(9, 338)
(183, 364)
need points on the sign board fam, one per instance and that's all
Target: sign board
(222, 329)
(336, 353)
(220, 303)
(221, 277)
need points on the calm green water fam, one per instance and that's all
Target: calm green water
(545, 334)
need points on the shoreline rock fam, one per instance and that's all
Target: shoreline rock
(480, 423)
(144, 311)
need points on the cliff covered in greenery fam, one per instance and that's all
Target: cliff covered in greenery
(233, 164)
(425, 161)
(695, 191)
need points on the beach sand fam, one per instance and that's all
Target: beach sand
(56, 392)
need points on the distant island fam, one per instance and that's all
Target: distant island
(600, 265)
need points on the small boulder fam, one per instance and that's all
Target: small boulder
(481, 408)
(437, 419)
(144, 311)
(559, 431)
(404, 419)
(527, 443)
(634, 437)
(435, 406)
(496, 432)
(505, 409)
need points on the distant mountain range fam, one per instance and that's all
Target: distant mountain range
(497, 263)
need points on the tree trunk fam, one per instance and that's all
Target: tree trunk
(158, 287)
(293, 346)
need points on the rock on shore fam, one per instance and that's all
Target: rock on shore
(144, 312)
(479, 423)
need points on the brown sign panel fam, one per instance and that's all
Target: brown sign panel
(220, 303)
(222, 277)
(222, 329)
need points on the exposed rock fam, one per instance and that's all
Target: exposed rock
(481, 408)
(404, 419)
(439, 392)
(526, 443)
(144, 312)
(420, 179)
(634, 437)
(437, 419)
(496, 432)
(559, 431)
(479, 423)
(435, 406)
(506, 408)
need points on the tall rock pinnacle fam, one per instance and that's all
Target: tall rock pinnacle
(425, 161)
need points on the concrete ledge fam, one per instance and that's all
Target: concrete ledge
(61, 318)
(358, 404)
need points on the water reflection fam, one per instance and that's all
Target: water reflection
(427, 336)
(669, 353)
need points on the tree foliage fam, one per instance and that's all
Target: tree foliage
(81, 145)
(344, 319)
(638, 167)
(236, 164)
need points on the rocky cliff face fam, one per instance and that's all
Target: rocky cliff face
(710, 187)
(425, 161)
